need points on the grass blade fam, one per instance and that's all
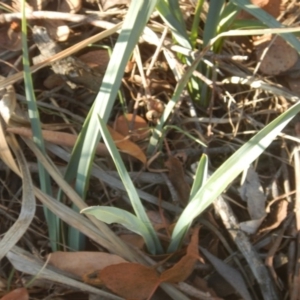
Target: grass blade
(111, 215)
(267, 19)
(52, 220)
(154, 246)
(83, 153)
(227, 172)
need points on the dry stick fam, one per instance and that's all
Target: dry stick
(258, 269)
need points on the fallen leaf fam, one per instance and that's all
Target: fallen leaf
(17, 294)
(56, 137)
(80, 263)
(183, 269)
(135, 281)
(130, 280)
(69, 140)
(126, 146)
(139, 131)
(177, 178)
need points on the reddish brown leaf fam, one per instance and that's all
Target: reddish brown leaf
(139, 130)
(80, 263)
(56, 137)
(69, 140)
(181, 270)
(127, 146)
(17, 294)
(130, 280)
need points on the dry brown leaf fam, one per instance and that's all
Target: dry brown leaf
(56, 137)
(17, 294)
(139, 131)
(279, 58)
(135, 281)
(80, 263)
(177, 178)
(131, 280)
(127, 146)
(183, 269)
(67, 139)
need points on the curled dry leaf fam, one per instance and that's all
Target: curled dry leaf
(139, 130)
(131, 281)
(80, 263)
(183, 269)
(17, 294)
(279, 57)
(126, 146)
